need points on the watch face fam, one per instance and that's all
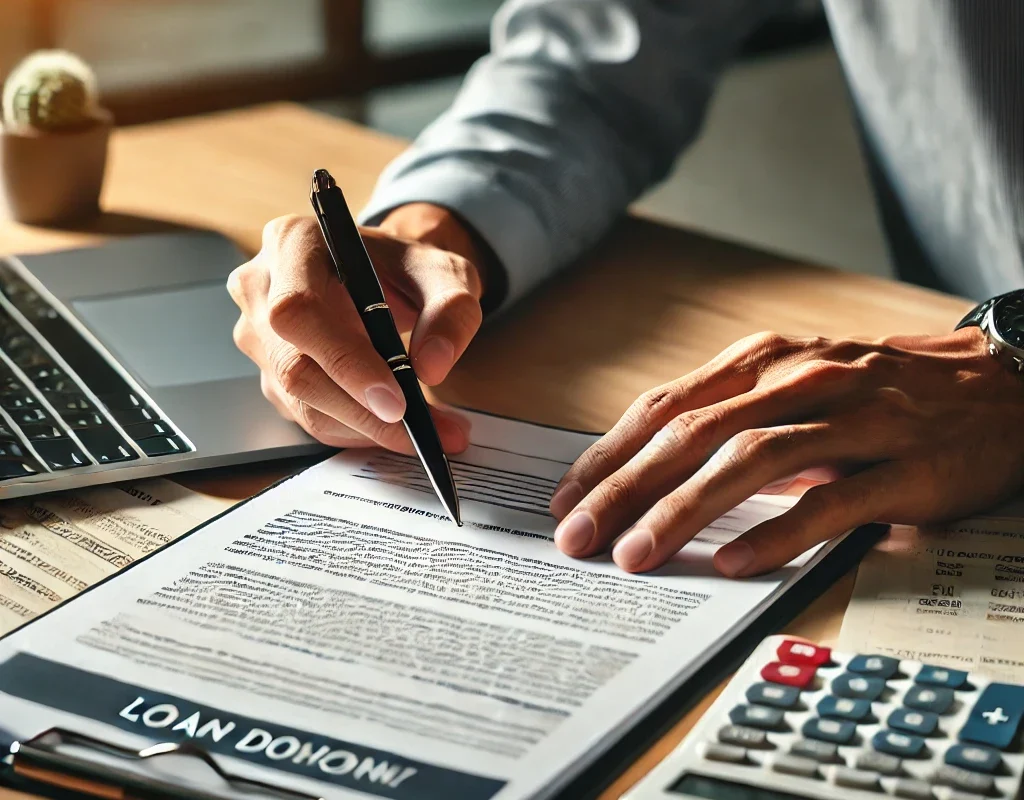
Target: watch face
(1008, 319)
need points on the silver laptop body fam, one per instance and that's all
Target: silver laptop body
(117, 362)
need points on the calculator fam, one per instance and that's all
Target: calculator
(803, 721)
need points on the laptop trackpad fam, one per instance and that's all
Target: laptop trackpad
(170, 337)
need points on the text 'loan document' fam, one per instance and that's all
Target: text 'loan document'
(339, 635)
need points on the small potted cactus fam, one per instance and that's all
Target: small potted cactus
(53, 141)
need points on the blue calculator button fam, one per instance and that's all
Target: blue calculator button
(974, 757)
(837, 731)
(940, 676)
(923, 723)
(878, 666)
(936, 699)
(996, 716)
(756, 717)
(773, 694)
(858, 687)
(844, 708)
(898, 744)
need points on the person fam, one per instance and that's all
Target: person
(579, 107)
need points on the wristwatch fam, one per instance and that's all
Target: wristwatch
(1002, 320)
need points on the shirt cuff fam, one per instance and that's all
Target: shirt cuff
(508, 226)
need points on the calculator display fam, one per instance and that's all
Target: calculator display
(716, 789)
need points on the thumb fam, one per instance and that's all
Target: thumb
(447, 288)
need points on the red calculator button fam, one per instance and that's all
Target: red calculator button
(791, 652)
(788, 674)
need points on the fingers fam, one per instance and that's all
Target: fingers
(747, 462)
(447, 289)
(308, 308)
(824, 512)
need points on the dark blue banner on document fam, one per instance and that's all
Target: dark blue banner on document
(166, 718)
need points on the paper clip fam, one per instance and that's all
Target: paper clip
(44, 761)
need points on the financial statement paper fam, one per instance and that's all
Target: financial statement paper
(337, 635)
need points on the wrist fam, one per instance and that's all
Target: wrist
(442, 228)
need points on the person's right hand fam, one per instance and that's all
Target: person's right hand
(299, 325)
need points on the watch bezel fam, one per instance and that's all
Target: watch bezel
(997, 344)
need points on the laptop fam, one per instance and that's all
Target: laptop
(117, 363)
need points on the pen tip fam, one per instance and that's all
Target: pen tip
(322, 180)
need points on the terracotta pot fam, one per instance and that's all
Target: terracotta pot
(53, 177)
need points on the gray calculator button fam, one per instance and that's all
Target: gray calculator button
(744, 737)
(825, 752)
(964, 779)
(855, 779)
(913, 790)
(756, 717)
(955, 795)
(795, 765)
(879, 762)
(713, 751)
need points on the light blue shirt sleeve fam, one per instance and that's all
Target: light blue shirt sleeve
(580, 106)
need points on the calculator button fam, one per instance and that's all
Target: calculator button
(772, 694)
(879, 762)
(756, 717)
(995, 717)
(801, 653)
(965, 779)
(839, 731)
(855, 779)
(923, 723)
(858, 687)
(974, 757)
(795, 765)
(844, 708)
(788, 674)
(912, 789)
(897, 744)
(940, 676)
(936, 699)
(744, 737)
(825, 752)
(877, 666)
(713, 751)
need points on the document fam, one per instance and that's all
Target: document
(952, 597)
(338, 635)
(54, 546)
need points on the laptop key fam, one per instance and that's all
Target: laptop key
(60, 454)
(106, 445)
(6, 434)
(163, 446)
(9, 450)
(68, 402)
(148, 430)
(17, 468)
(84, 419)
(56, 383)
(16, 400)
(43, 372)
(30, 416)
(41, 431)
(133, 416)
(122, 401)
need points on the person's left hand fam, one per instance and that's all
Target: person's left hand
(914, 429)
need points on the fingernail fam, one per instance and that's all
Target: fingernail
(633, 549)
(384, 403)
(565, 499)
(435, 358)
(732, 559)
(575, 534)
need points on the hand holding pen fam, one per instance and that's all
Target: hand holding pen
(301, 328)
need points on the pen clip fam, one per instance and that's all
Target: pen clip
(322, 182)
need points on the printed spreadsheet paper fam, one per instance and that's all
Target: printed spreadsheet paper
(54, 546)
(338, 635)
(951, 597)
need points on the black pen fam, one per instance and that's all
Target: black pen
(356, 272)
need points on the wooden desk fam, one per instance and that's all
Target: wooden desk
(650, 304)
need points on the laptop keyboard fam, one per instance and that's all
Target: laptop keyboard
(56, 416)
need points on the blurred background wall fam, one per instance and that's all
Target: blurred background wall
(777, 166)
